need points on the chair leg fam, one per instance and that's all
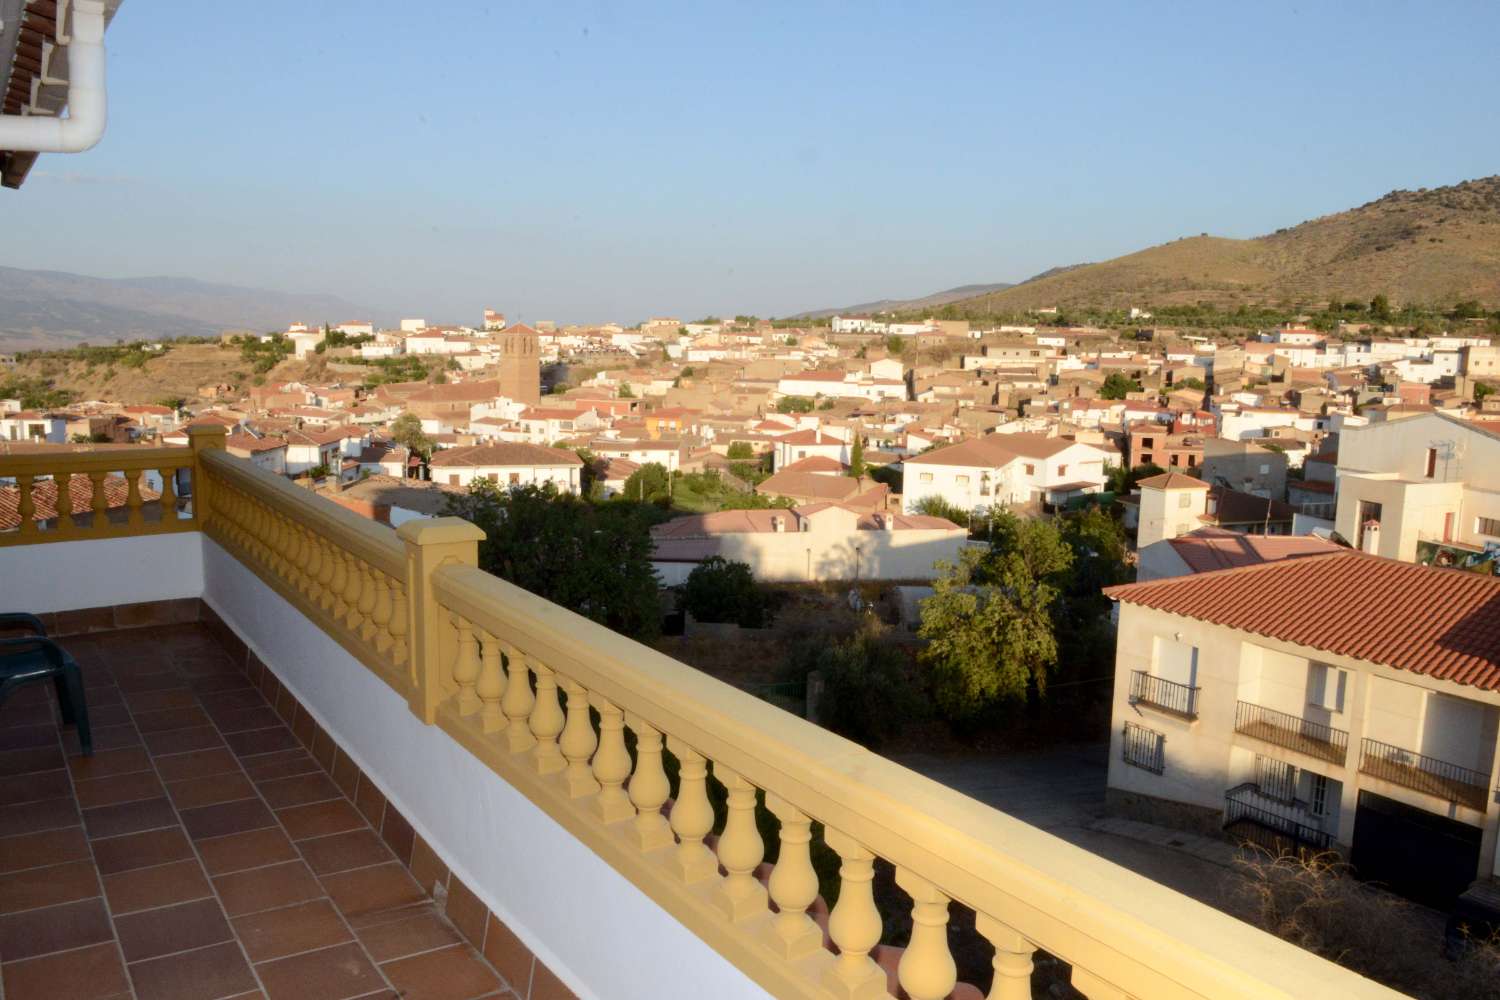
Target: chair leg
(64, 702)
(79, 708)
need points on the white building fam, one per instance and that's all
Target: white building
(1331, 700)
(35, 427)
(1004, 470)
(815, 542)
(507, 465)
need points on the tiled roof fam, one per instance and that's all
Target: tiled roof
(1209, 549)
(1173, 481)
(1443, 623)
(504, 454)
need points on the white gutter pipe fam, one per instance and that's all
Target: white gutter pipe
(87, 109)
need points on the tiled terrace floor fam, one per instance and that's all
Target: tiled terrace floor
(203, 852)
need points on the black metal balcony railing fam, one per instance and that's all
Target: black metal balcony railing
(1291, 731)
(1454, 782)
(1253, 817)
(1169, 696)
(1144, 748)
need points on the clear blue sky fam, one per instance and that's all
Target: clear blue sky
(606, 161)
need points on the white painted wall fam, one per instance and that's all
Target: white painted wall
(67, 576)
(597, 931)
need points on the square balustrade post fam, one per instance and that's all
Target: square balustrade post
(430, 544)
(201, 439)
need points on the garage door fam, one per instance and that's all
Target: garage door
(1418, 854)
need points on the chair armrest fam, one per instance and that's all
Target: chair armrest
(28, 643)
(20, 619)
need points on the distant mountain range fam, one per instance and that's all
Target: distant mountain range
(1430, 247)
(51, 309)
(908, 305)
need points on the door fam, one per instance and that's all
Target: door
(1421, 855)
(1448, 526)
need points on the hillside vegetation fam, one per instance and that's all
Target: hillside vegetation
(1434, 247)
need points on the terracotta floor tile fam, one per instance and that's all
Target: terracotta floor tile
(346, 773)
(92, 973)
(290, 929)
(129, 817)
(546, 986)
(154, 933)
(467, 911)
(155, 701)
(366, 890)
(48, 814)
(163, 885)
(398, 834)
(282, 764)
(509, 956)
(320, 819)
(343, 851)
(236, 852)
(168, 719)
(54, 928)
(259, 741)
(37, 713)
(196, 764)
(34, 887)
(219, 683)
(227, 818)
(32, 787)
(141, 850)
(104, 737)
(183, 740)
(370, 800)
(456, 973)
(426, 867)
(24, 737)
(240, 720)
(162, 681)
(423, 930)
(109, 762)
(116, 789)
(198, 792)
(205, 974)
(229, 701)
(51, 847)
(108, 715)
(331, 974)
(43, 758)
(315, 786)
(264, 888)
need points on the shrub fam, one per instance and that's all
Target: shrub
(868, 694)
(719, 590)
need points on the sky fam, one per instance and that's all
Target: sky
(604, 161)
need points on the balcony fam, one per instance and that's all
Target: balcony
(567, 810)
(1450, 782)
(1279, 827)
(1171, 697)
(1292, 732)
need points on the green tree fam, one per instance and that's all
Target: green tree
(1121, 480)
(936, 506)
(1190, 383)
(594, 559)
(625, 391)
(794, 404)
(1380, 307)
(720, 590)
(173, 403)
(406, 430)
(1468, 309)
(868, 695)
(648, 484)
(1117, 386)
(989, 625)
(857, 457)
(741, 451)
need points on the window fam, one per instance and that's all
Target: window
(1185, 501)
(1276, 778)
(495, 477)
(802, 453)
(1062, 470)
(1265, 470)
(1431, 463)
(1145, 748)
(515, 479)
(1487, 526)
(1030, 470)
(925, 477)
(1318, 794)
(1147, 442)
(452, 480)
(1327, 686)
(961, 480)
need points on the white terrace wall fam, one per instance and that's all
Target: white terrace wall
(99, 573)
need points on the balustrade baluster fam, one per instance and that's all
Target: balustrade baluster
(329, 582)
(337, 583)
(692, 815)
(27, 508)
(367, 596)
(63, 482)
(314, 549)
(517, 701)
(491, 684)
(546, 720)
(578, 741)
(927, 970)
(168, 502)
(854, 923)
(398, 626)
(740, 850)
(649, 787)
(380, 615)
(352, 588)
(794, 883)
(134, 517)
(466, 666)
(99, 502)
(1012, 961)
(611, 764)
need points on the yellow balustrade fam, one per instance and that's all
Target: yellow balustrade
(464, 649)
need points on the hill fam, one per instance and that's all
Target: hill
(52, 309)
(1430, 247)
(932, 301)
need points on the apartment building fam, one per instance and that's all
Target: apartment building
(509, 464)
(1407, 488)
(1005, 470)
(1242, 703)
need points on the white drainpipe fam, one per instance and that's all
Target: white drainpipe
(87, 110)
